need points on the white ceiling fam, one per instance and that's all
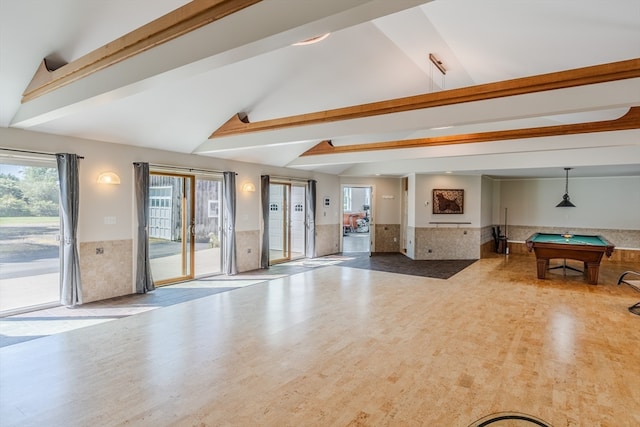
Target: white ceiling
(174, 96)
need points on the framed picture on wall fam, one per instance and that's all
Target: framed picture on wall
(448, 201)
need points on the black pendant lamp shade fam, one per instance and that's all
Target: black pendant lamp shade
(566, 203)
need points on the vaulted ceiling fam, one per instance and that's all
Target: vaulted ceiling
(530, 87)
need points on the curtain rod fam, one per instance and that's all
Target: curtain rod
(288, 178)
(182, 168)
(33, 152)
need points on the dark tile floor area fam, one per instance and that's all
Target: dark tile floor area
(399, 263)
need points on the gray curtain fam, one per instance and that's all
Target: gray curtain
(229, 225)
(311, 219)
(144, 279)
(264, 199)
(70, 282)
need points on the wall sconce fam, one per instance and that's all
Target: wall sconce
(248, 187)
(108, 178)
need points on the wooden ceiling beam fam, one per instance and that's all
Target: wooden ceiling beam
(185, 19)
(552, 81)
(631, 120)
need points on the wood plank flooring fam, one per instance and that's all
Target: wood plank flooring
(339, 346)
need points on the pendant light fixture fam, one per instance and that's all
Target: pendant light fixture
(566, 203)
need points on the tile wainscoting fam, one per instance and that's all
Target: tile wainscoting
(431, 243)
(387, 238)
(108, 274)
(328, 239)
(248, 250)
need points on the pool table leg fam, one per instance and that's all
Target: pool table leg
(542, 265)
(592, 270)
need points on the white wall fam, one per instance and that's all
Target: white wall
(486, 202)
(495, 202)
(99, 201)
(328, 186)
(602, 203)
(425, 184)
(411, 200)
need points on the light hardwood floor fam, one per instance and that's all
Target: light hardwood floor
(337, 346)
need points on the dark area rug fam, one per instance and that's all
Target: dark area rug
(401, 264)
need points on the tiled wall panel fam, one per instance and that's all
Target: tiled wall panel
(247, 250)
(327, 239)
(108, 274)
(387, 238)
(447, 243)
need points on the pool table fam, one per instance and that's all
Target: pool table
(588, 249)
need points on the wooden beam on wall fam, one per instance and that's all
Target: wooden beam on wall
(552, 81)
(631, 120)
(185, 19)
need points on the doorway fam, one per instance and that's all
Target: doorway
(357, 220)
(184, 226)
(287, 213)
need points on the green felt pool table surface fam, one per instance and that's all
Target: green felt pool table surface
(574, 239)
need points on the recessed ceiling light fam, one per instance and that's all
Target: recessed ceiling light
(448, 172)
(312, 40)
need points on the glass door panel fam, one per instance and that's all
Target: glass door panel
(278, 220)
(208, 226)
(170, 220)
(297, 225)
(29, 237)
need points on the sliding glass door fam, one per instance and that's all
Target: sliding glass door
(287, 211)
(184, 226)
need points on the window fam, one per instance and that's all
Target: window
(160, 214)
(214, 209)
(346, 199)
